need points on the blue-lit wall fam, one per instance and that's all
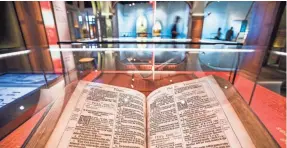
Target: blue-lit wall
(225, 15)
(165, 13)
(127, 16)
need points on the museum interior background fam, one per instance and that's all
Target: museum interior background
(29, 63)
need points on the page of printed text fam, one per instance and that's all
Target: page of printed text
(101, 116)
(193, 114)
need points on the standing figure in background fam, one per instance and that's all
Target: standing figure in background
(217, 37)
(174, 32)
(229, 34)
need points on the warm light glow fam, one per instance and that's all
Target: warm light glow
(225, 87)
(133, 79)
(132, 86)
(170, 80)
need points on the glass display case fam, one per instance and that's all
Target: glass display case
(148, 64)
(21, 83)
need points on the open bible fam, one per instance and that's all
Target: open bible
(190, 114)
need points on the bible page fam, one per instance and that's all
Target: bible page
(193, 114)
(100, 115)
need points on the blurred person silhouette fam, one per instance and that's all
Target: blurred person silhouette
(217, 37)
(229, 34)
(174, 31)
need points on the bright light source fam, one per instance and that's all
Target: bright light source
(279, 53)
(133, 3)
(133, 79)
(132, 86)
(170, 80)
(21, 107)
(182, 101)
(130, 4)
(80, 18)
(96, 70)
(225, 87)
(6, 55)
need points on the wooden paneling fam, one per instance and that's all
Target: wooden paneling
(263, 17)
(196, 30)
(30, 17)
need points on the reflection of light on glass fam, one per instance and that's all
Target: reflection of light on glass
(279, 53)
(6, 55)
(48, 18)
(147, 39)
(80, 18)
(182, 101)
(91, 19)
(21, 107)
(269, 82)
(150, 49)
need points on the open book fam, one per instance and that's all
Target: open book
(189, 114)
